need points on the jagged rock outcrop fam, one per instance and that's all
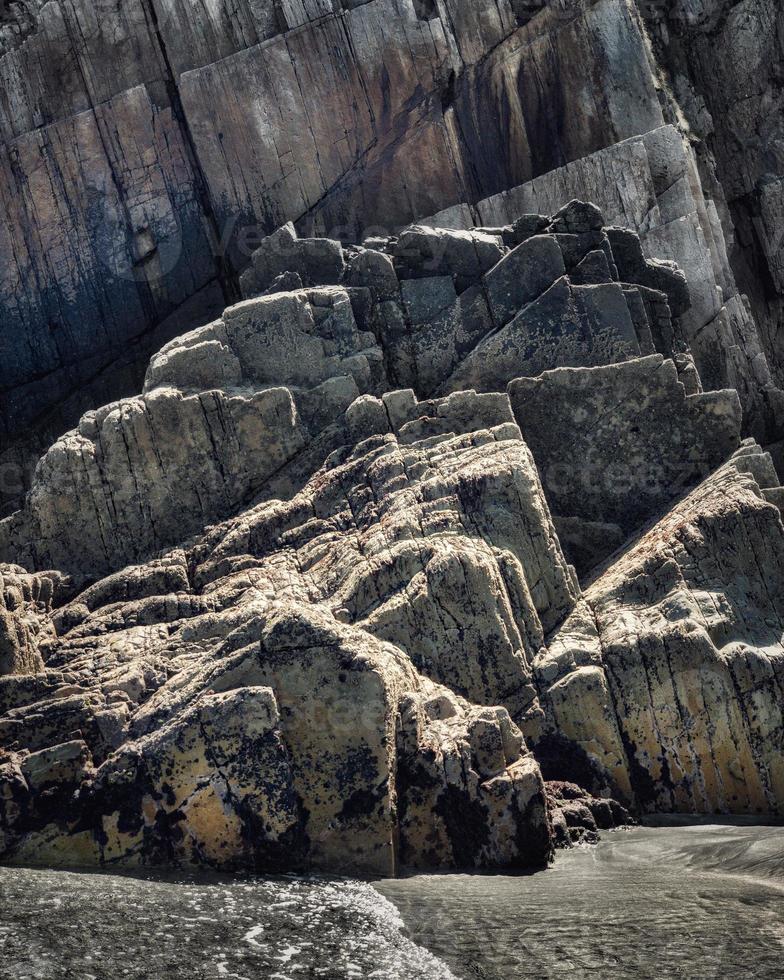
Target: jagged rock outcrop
(252, 403)
(313, 600)
(147, 150)
(243, 703)
(650, 183)
(473, 308)
(225, 409)
(306, 618)
(665, 683)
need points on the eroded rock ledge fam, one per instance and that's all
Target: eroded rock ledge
(316, 603)
(146, 147)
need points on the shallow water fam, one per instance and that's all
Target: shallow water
(694, 903)
(61, 924)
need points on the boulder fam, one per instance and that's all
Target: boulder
(617, 444)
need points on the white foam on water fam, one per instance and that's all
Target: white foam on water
(352, 932)
(251, 934)
(289, 953)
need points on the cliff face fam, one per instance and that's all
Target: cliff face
(337, 552)
(303, 684)
(723, 60)
(147, 147)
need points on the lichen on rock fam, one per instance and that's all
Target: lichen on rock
(405, 381)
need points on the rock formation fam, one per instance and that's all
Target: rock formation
(616, 444)
(313, 639)
(146, 150)
(397, 507)
(668, 674)
(255, 401)
(577, 817)
(723, 63)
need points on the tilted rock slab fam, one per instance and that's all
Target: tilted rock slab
(616, 445)
(275, 696)
(650, 184)
(664, 685)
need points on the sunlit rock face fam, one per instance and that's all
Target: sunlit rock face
(350, 636)
(665, 682)
(407, 409)
(292, 690)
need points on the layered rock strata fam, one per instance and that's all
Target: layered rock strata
(145, 152)
(723, 63)
(252, 403)
(305, 617)
(667, 676)
(275, 695)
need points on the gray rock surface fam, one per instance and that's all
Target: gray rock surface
(249, 405)
(650, 184)
(174, 135)
(314, 602)
(616, 445)
(723, 63)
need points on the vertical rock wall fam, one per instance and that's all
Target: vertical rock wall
(145, 148)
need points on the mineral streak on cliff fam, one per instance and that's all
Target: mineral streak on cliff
(394, 544)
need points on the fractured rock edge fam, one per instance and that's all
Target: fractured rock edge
(298, 685)
(160, 119)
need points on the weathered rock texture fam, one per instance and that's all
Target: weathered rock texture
(25, 602)
(251, 404)
(723, 63)
(615, 445)
(667, 677)
(146, 149)
(578, 817)
(276, 695)
(364, 662)
(650, 183)
(314, 599)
